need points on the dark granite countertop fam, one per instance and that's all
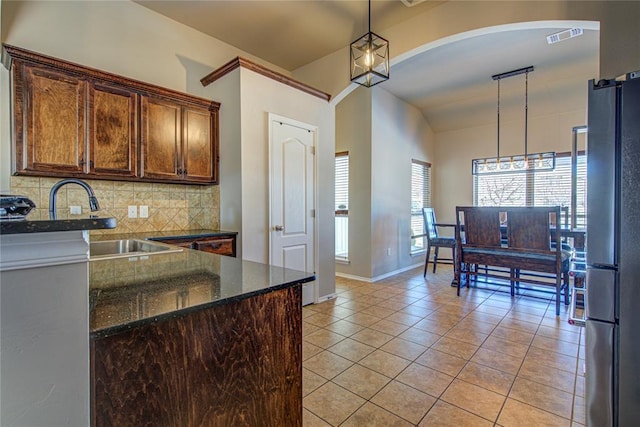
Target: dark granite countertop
(45, 226)
(128, 292)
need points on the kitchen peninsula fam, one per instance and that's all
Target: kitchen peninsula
(193, 338)
(175, 338)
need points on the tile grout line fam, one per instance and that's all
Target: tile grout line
(441, 303)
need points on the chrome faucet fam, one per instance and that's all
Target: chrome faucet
(93, 201)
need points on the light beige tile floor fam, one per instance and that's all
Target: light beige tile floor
(406, 351)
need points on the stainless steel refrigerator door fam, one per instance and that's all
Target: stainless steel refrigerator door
(599, 380)
(601, 175)
(600, 300)
(629, 257)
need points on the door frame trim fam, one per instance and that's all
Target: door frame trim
(272, 117)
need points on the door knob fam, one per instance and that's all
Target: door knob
(279, 228)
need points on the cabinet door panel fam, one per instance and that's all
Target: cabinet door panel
(220, 246)
(55, 126)
(197, 145)
(112, 135)
(160, 139)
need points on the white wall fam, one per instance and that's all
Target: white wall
(382, 134)
(259, 96)
(244, 146)
(399, 134)
(454, 151)
(227, 92)
(353, 134)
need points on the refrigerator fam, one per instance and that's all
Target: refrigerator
(612, 344)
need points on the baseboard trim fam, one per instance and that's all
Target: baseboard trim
(394, 272)
(326, 298)
(380, 277)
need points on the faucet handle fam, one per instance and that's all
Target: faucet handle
(93, 204)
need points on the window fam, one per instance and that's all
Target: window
(342, 206)
(553, 188)
(543, 188)
(420, 198)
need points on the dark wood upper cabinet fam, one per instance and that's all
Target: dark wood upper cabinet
(178, 141)
(70, 120)
(112, 131)
(197, 132)
(161, 139)
(51, 136)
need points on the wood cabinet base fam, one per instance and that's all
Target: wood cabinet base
(238, 364)
(222, 244)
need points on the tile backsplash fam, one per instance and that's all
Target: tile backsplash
(171, 206)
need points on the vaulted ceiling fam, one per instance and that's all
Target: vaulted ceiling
(451, 84)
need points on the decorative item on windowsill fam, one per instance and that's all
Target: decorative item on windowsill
(369, 58)
(518, 163)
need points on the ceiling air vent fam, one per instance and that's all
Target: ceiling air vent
(564, 35)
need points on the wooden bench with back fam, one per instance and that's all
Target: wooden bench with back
(530, 246)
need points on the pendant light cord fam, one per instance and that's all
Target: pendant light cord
(498, 150)
(369, 15)
(526, 114)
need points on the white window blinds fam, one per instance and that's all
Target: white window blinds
(342, 207)
(420, 197)
(342, 183)
(553, 188)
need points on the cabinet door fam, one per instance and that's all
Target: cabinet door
(217, 245)
(54, 123)
(197, 145)
(112, 131)
(160, 140)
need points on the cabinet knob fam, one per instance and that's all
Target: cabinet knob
(278, 228)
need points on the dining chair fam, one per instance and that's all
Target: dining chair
(434, 240)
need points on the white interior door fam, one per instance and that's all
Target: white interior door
(292, 197)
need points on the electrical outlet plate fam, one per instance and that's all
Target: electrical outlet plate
(133, 212)
(144, 211)
(75, 210)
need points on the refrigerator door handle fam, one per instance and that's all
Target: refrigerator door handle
(600, 298)
(599, 375)
(601, 174)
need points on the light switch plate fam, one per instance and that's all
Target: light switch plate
(144, 211)
(75, 210)
(133, 212)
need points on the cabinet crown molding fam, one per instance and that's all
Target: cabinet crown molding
(12, 53)
(260, 69)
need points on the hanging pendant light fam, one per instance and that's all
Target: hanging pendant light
(369, 58)
(522, 162)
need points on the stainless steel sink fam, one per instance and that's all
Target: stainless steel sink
(108, 249)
